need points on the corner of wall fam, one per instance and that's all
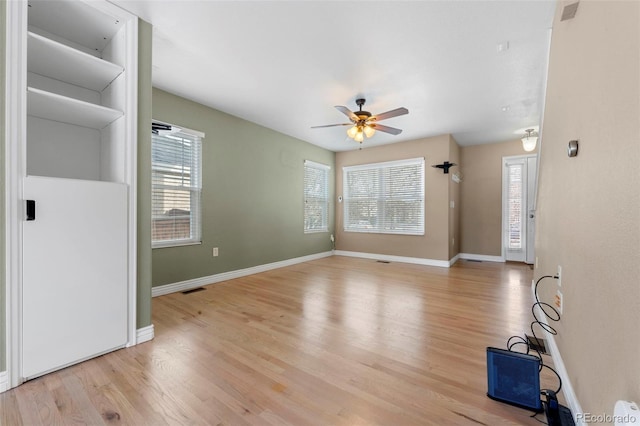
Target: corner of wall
(143, 310)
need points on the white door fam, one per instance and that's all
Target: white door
(518, 211)
(75, 272)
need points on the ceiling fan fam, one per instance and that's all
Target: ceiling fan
(364, 124)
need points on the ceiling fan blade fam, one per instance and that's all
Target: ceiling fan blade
(346, 111)
(393, 113)
(332, 125)
(385, 129)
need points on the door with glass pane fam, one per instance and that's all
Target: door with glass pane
(518, 210)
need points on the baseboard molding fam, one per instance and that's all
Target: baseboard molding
(454, 259)
(558, 365)
(224, 276)
(390, 258)
(481, 257)
(4, 381)
(144, 334)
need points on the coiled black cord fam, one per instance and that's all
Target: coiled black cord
(551, 314)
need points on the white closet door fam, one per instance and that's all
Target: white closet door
(75, 272)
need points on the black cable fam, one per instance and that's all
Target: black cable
(551, 314)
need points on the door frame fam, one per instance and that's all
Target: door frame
(16, 170)
(527, 209)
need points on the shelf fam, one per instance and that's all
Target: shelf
(55, 107)
(61, 62)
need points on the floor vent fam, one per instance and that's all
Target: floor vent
(537, 344)
(474, 260)
(383, 261)
(193, 290)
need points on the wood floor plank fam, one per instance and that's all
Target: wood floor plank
(335, 341)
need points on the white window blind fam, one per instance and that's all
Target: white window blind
(316, 197)
(385, 198)
(176, 187)
(515, 200)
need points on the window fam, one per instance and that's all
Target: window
(385, 198)
(515, 198)
(316, 197)
(176, 187)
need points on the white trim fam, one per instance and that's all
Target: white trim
(558, 365)
(131, 170)
(310, 163)
(454, 259)
(391, 258)
(191, 132)
(481, 257)
(145, 334)
(15, 169)
(4, 381)
(224, 276)
(405, 162)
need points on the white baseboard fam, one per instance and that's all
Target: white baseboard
(558, 365)
(454, 259)
(212, 279)
(4, 381)
(144, 334)
(390, 258)
(481, 257)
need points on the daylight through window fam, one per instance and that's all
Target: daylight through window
(386, 198)
(176, 187)
(316, 197)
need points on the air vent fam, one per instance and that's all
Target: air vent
(569, 11)
(383, 261)
(193, 290)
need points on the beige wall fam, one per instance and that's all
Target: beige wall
(589, 206)
(481, 196)
(435, 243)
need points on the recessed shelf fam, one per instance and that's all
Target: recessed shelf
(60, 108)
(61, 62)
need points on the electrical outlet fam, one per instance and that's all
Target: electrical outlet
(559, 301)
(559, 276)
(215, 252)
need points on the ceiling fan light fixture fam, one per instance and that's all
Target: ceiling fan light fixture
(359, 136)
(352, 131)
(369, 131)
(529, 142)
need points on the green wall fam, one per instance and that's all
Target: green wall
(3, 302)
(144, 175)
(252, 202)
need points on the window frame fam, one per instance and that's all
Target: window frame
(323, 201)
(380, 199)
(195, 188)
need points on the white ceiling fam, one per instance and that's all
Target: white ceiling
(285, 64)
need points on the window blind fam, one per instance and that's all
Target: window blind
(515, 199)
(176, 187)
(385, 197)
(316, 197)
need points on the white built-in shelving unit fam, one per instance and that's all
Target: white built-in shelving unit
(72, 126)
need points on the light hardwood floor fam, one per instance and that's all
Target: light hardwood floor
(336, 341)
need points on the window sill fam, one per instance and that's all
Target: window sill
(169, 244)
